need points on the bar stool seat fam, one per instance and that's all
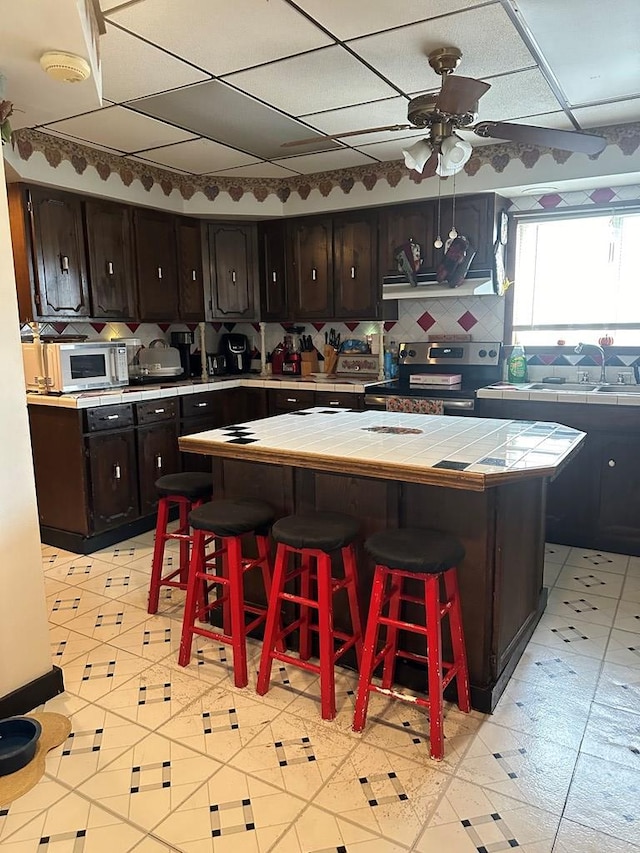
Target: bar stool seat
(426, 556)
(187, 490)
(314, 537)
(224, 523)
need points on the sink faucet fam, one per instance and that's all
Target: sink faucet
(581, 347)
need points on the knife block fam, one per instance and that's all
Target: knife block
(309, 363)
(330, 359)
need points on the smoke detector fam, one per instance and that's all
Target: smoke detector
(65, 67)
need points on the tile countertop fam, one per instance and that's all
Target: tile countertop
(506, 391)
(465, 453)
(136, 393)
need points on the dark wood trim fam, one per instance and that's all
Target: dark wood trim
(89, 544)
(30, 695)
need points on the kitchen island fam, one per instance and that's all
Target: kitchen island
(482, 480)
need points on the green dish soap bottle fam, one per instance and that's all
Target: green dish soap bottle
(517, 365)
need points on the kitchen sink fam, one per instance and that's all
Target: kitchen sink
(618, 389)
(564, 386)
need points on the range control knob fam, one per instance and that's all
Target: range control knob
(493, 353)
(412, 353)
(482, 353)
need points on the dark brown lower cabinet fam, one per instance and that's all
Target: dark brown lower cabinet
(113, 477)
(157, 455)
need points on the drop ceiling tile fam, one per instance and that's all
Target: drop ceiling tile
(374, 114)
(132, 68)
(220, 112)
(621, 112)
(198, 156)
(120, 128)
(223, 36)
(360, 17)
(523, 93)
(258, 170)
(323, 80)
(56, 133)
(600, 60)
(307, 164)
(392, 149)
(488, 40)
(557, 120)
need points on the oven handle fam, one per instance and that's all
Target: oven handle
(372, 401)
(459, 405)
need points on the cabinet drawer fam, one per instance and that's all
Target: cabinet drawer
(109, 417)
(156, 410)
(290, 401)
(199, 404)
(341, 400)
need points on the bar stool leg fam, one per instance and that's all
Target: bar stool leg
(457, 640)
(305, 610)
(273, 620)
(369, 649)
(325, 632)
(236, 609)
(184, 544)
(158, 555)
(196, 566)
(391, 638)
(351, 575)
(434, 667)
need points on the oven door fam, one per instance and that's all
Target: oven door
(460, 408)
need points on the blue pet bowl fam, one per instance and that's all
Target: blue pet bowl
(18, 741)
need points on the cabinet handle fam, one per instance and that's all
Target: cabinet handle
(291, 400)
(158, 462)
(112, 417)
(109, 268)
(334, 402)
(64, 263)
(611, 463)
(159, 272)
(201, 405)
(353, 272)
(314, 274)
(194, 275)
(233, 276)
(116, 472)
(158, 411)
(274, 276)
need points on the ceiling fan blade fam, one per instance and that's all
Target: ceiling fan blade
(311, 139)
(460, 95)
(565, 140)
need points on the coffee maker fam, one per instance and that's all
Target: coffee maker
(182, 342)
(235, 349)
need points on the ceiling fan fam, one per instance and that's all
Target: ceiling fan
(455, 106)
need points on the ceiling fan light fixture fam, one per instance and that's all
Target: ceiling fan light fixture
(454, 153)
(416, 156)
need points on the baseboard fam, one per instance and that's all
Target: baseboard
(30, 695)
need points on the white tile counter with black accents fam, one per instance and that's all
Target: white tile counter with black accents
(468, 453)
(541, 392)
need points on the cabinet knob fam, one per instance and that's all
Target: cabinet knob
(314, 274)
(116, 472)
(64, 263)
(194, 275)
(112, 417)
(233, 276)
(201, 405)
(291, 400)
(109, 267)
(158, 462)
(274, 276)
(353, 272)
(159, 272)
(158, 411)
(611, 463)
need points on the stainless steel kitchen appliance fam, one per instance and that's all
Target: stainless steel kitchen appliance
(66, 367)
(235, 348)
(425, 373)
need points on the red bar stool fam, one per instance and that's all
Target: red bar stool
(314, 537)
(189, 490)
(224, 523)
(426, 555)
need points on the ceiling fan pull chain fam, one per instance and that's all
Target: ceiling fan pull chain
(453, 233)
(438, 241)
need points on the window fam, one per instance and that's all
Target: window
(577, 277)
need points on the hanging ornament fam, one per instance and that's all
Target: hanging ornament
(438, 241)
(453, 233)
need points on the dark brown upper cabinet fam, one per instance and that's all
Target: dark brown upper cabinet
(310, 268)
(233, 250)
(402, 222)
(111, 268)
(190, 269)
(60, 286)
(156, 266)
(357, 291)
(273, 276)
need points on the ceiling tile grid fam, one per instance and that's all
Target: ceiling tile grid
(199, 156)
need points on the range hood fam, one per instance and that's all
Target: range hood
(477, 283)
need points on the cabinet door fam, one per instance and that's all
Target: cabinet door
(402, 222)
(156, 266)
(233, 249)
(111, 269)
(572, 498)
(619, 505)
(273, 290)
(474, 218)
(190, 270)
(61, 277)
(113, 477)
(157, 455)
(310, 269)
(357, 292)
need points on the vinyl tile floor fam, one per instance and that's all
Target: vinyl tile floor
(163, 758)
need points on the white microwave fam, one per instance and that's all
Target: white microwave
(65, 367)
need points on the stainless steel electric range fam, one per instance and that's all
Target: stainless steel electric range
(428, 371)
